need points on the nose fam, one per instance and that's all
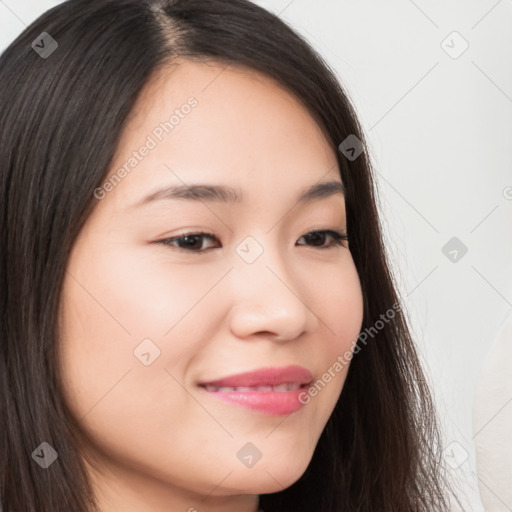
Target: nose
(269, 300)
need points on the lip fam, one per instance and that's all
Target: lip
(267, 376)
(269, 402)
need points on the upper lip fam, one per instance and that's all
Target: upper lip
(268, 376)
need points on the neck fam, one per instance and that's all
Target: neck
(128, 491)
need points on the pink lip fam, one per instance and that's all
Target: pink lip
(268, 376)
(276, 403)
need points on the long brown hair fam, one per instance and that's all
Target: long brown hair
(62, 116)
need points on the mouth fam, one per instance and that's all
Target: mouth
(280, 388)
(270, 391)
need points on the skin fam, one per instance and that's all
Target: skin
(157, 442)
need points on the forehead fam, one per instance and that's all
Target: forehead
(210, 122)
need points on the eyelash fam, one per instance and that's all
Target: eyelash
(338, 238)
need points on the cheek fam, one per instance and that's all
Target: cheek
(114, 300)
(106, 312)
(118, 293)
(108, 308)
(339, 308)
(340, 305)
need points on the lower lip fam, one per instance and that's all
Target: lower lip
(275, 403)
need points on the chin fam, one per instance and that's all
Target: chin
(276, 475)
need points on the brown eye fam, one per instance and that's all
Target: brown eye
(191, 242)
(317, 238)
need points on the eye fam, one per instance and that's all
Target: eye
(317, 236)
(193, 242)
(190, 242)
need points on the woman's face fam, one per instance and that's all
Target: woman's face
(144, 323)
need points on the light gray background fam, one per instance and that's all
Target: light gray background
(440, 133)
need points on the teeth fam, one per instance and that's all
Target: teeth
(263, 388)
(280, 387)
(285, 387)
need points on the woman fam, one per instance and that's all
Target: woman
(271, 369)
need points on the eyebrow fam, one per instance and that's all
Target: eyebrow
(225, 194)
